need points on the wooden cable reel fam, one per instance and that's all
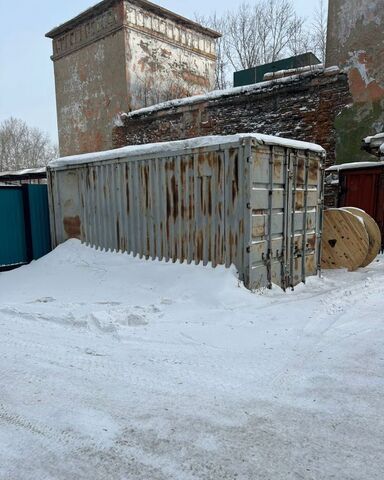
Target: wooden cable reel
(351, 239)
(345, 240)
(374, 234)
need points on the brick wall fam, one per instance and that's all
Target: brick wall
(303, 107)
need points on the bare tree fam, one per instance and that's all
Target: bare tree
(319, 30)
(300, 40)
(22, 146)
(263, 32)
(242, 47)
(219, 24)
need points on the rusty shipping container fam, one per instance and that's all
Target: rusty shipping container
(250, 200)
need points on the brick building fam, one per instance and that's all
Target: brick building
(122, 55)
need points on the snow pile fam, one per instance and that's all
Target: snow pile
(115, 367)
(165, 148)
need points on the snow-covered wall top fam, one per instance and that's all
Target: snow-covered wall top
(217, 94)
(164, 148)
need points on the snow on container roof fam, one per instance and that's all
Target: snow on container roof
(164, 148)
(354, 166)
(217, 94)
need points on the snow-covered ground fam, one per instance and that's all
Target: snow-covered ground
(117, 368)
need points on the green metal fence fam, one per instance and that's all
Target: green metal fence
(24, 224)
(256, 74)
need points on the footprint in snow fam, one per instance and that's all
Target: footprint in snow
(132, 320)
(166, 301)
(44, 300)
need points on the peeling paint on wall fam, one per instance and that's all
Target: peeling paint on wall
(356, 43)
(168, 61)
(352, 12)
(364, 87)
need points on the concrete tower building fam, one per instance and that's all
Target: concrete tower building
(122, 55)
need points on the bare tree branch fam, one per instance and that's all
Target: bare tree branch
(263, 32)
(319, 29)
(22, 146)
(219, 24)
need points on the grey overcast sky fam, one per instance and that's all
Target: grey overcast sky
(26, 72)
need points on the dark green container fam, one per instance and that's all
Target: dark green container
(256, 74)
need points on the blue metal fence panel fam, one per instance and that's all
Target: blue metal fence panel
(39, 220)
(13, 244)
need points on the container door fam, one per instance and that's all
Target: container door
(286, 188)
(13, 247)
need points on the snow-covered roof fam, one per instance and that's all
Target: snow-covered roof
(24, 173)
(217, 94)
(180, 145)
(354, 165)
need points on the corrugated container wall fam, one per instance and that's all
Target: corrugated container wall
(241, 200)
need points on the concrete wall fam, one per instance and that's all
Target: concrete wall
(356, 42)
(91, 88)
(121, 55)
(166, 60)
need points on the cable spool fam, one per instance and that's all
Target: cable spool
(345, 241)
(373, 231)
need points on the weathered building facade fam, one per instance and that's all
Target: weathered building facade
(122, 55)
(356, 43)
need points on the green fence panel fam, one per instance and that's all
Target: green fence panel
(256, 74)
(40, 236)
(13, 243)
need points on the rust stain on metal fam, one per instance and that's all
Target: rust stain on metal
(311, 241)
(313, 172)
(118, 232)
(300, 171)
(277, 167)
(299, 199)
(72, 226)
